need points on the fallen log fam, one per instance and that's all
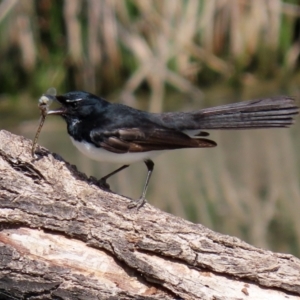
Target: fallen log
(62, 237)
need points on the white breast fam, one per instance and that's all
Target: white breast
(101, 154)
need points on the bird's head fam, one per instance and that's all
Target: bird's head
(78, 105)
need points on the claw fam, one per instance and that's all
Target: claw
(138, 203)
(101, 183)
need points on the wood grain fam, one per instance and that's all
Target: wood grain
(62, 237)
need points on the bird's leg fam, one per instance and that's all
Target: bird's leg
(140, 202)
(102, 181)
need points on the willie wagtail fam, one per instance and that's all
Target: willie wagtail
(120, 134)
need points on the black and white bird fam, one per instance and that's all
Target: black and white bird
(120, 134)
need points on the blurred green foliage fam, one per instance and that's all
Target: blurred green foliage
(103, 45)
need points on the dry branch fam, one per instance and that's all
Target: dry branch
(62, 237)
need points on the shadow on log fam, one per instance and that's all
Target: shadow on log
(62, 237)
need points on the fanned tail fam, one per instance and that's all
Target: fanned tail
(261, 113)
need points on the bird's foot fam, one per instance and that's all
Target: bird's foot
(101, 183)
(137, 204)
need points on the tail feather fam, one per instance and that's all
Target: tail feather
(262, 113)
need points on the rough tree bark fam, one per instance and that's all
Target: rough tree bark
(62, 237)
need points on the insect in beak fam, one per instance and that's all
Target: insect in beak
(44, 102)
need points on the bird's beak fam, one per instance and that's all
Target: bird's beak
(60, 111)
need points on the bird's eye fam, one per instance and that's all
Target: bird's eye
(74, 104)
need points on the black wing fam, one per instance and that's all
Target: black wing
(135, 140)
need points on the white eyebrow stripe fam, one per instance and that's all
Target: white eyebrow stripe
(74, 100)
